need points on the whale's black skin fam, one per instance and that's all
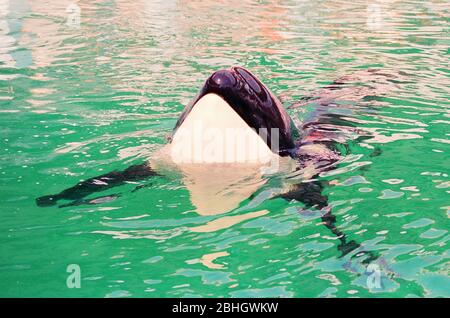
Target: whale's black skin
(259, 108)
(97, 184)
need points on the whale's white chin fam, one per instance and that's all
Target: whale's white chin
(214, 133)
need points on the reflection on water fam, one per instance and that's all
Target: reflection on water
(76, 102)
(227, 221)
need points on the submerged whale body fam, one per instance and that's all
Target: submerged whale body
(232, 128)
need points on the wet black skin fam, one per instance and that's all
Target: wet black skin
(259, 108)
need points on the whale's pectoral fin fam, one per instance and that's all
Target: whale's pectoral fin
(329, 220)
(92, 201)
(97, 184)
(310, 194)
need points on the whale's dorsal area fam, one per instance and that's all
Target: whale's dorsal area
(214, 133)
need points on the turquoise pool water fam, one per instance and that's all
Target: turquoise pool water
(81, 99)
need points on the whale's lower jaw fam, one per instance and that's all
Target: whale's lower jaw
(214, 133)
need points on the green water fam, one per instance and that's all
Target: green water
(79, 102)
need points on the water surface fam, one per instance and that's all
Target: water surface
(76, 102)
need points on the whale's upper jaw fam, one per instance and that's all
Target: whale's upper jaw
(252, 101)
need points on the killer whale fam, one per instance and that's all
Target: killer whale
(248, 100)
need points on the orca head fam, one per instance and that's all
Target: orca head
(236, 99)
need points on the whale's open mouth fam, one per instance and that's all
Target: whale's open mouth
(234, 118)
